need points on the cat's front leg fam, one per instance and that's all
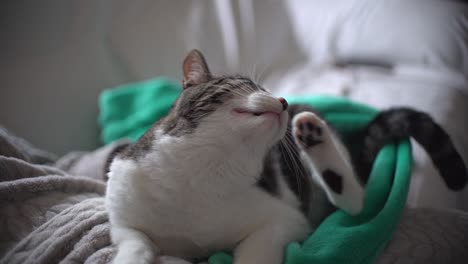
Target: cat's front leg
(171, 260)
(267, 244)
(330, 163)
(133, 246)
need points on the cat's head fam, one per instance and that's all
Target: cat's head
(232, 111)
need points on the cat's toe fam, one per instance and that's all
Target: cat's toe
(308, 129)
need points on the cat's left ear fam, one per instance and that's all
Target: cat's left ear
(195, 69)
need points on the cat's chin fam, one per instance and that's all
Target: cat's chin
(277, 125)
(274, 123)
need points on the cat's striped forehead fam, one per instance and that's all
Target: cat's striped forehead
(233, 83)
(200, 100)
(217, 91)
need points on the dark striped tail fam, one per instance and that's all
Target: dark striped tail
(399, 123)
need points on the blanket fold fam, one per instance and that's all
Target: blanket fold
(49, 215)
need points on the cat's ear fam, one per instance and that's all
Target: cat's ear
(195, 69)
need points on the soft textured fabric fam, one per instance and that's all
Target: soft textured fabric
(49, 215)
(340, 238)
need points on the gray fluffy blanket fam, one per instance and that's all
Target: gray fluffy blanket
(52, 211)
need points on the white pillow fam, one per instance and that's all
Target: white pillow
(421, 32)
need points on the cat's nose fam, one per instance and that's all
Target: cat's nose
(283, 102)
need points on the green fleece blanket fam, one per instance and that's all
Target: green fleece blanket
(129, 110)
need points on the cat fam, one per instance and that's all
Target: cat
(228, 169)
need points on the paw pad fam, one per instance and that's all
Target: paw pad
(308, 129)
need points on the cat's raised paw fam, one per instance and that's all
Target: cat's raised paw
(308, 129)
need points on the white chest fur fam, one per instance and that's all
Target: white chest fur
(193, 210)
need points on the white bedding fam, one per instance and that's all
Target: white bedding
(430, 33)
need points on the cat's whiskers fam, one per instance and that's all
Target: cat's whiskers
(293, 157)
(294, 152)
(254, 72)
(292, 167)
(261, 76)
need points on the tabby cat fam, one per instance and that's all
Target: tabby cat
(233, 167)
